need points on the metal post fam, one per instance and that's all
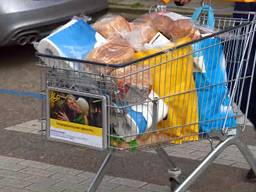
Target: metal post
(234, 140)
(173, 170)
(247, 154)
(205, 163)
(155, 114)
(165, 157)
(100, 174)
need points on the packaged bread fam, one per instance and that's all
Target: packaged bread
(174, 30)
(146, 30)
(117, 50)
(111, 25)
(160, 22)
(133, 76)
(140, 34)
(182, 28)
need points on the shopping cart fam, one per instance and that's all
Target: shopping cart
(155, 100)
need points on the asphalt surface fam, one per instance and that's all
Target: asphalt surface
(18, 71)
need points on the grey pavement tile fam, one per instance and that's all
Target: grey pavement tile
(13, 174)
(10, 159)
(26, 127)
(9, 165)
(224, 162)
(14, 189)
(18, 183)
(235, 157)
(71, 186)
(197, 155)
(109, 185)
(46, 181)
(107, 178)
(59, 169)
(156, 188)
(34, 164)
(37, 172)
(69, 178)
(86, 174)
(241, 165)
(128, 182)
(127, 189)
(41, 188)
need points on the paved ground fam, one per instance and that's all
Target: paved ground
(18, 174)
(29, 162)
(195, 150)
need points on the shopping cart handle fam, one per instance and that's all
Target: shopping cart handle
(209, 10)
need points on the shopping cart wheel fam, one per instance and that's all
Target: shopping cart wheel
(173, 184)
(251, 175)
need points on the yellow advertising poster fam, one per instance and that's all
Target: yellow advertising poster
(76, 117)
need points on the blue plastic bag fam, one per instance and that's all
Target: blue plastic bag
(211, 81)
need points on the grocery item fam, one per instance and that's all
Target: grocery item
(64, 41)
(173, 29)
(145, 29)
(158, 41)
(116, 50)
(139, 118)
(160, 22)
(133, 76)
(177, 75)
(213, 102)
(110, 25)
(182, 28)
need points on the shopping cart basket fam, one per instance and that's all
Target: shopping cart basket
(155, 100)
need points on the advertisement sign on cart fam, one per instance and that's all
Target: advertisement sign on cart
(76, 117)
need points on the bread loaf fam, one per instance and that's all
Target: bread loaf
(172, 29)
(181, 28)
(117, 50)
(133, 76)
(110, 25)
(145, 29)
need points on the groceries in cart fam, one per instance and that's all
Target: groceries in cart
(153, 91)
(76, 39)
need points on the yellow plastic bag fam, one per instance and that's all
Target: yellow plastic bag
(172, 75)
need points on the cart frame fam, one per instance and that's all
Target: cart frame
(225, 138)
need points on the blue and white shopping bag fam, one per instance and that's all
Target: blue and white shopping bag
(211, 80)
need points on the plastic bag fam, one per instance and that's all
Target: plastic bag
(211, 82)
(172, 75)
(110, 25)
(117, 50)
(173, 29)
(141, 32)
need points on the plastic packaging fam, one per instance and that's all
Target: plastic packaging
(173, 29)
(116, 50)
(70, 41)
(141, 32)
(110, 25)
